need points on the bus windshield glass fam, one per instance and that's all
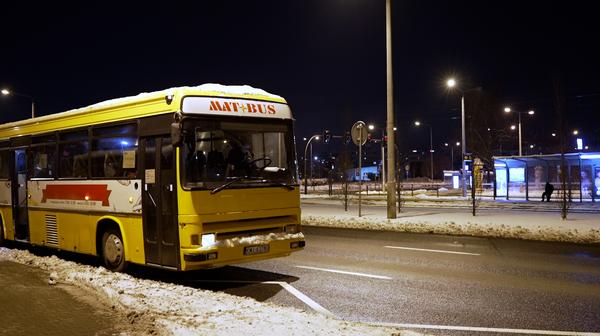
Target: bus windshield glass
(251, 154)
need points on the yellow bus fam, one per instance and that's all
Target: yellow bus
(185, 178)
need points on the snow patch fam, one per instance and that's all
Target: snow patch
(254, 240)
(179, 310)
(501, 226)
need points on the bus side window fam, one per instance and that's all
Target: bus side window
(114, 157)
(4, 165)
(42, 161)
(73, 154)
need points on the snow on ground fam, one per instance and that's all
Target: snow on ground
(546, 226)
(164, 308)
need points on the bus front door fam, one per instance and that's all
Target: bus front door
(159, 198)
(19, 196)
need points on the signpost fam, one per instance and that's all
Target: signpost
(359, 137)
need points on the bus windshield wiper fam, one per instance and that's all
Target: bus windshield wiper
(234, 180)
(250, 178)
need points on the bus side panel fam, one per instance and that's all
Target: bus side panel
(133, 237)
(7, 221)
(6, 210)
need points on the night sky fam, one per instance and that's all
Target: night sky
(326, 57)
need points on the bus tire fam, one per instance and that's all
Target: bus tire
(113, 250)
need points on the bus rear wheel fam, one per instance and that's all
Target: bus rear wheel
(113, 251)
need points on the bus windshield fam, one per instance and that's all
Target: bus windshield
(250, 154)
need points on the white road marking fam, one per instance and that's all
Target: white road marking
(289, 288)
(481, 329)
(428, 250)
(346, 272)
(302, 297)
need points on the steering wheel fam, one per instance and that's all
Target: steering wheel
(266, 162)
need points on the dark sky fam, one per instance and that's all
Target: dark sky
(327, 57)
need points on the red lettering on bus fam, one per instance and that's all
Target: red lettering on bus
(215, 106)
(271, 109)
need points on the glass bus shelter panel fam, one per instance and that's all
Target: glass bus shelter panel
(517, 186)
(587, 182)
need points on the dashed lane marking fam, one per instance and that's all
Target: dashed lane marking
(346, 272)
(428, 250)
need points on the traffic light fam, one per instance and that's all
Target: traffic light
(327, 136)
(347, 137)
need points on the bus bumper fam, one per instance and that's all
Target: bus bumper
(197, 258)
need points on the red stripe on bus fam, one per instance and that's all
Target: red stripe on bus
(86, 192)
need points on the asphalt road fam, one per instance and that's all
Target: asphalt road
(396, 278)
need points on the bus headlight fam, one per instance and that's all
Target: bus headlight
(294, 228)
(208, 239)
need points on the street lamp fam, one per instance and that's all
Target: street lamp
(451, 83)
(315, 137)
(530, 112)
(371, 127)
(452, 148)
(6, 92)
(418, 123)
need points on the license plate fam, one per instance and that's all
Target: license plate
(250, 250)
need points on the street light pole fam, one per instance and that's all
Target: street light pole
(530, 112)
(451, 83)
(520, 143)
(305, 152)
(7, 92)
(464, 144)
(431, 148)
(391, 171)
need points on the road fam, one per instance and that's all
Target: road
(431, 281)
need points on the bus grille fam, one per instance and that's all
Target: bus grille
(51, 230)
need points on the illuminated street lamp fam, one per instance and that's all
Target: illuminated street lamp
(452, 148)
(452, 84)
(418, 123)
(530, 112)
(315, 137)
(6, 92)
(575, 132)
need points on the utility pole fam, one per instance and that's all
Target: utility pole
(391, 171)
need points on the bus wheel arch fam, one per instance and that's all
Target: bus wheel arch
(2, 236)
(110, 244)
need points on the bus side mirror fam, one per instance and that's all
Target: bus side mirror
(176, 137)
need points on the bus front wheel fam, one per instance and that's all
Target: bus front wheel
(113, 251)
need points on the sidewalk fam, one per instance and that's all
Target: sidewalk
(497, 223)
(30, 306)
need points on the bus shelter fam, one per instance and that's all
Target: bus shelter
(524, 177)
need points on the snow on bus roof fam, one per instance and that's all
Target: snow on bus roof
(212, 88)
(209, 87)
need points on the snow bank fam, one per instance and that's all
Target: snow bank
(164, 308)
(530, 227)
(252, 240)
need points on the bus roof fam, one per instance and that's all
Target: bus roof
(145, 104)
